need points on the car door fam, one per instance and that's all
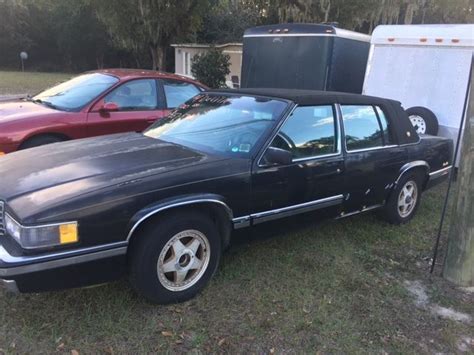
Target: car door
(313, 179)
(132, 106)
(373, 158)
(176, 92)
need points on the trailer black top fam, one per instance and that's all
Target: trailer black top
(304, 56)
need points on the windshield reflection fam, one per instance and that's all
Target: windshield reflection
(217, 123)
(74, 94)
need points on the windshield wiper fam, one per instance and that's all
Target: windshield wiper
(46, 103)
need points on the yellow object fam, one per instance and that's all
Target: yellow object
(2, 153)
(68, 233)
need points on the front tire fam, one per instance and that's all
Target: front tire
(173, 259)
(404, 199)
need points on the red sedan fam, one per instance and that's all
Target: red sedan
(93, 104)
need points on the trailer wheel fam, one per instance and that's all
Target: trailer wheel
(424, 120)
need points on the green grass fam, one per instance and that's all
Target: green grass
(294, 286)
(13, 82)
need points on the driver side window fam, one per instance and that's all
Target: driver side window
(309, 132)
(135, 95)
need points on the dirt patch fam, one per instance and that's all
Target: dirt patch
(418, 291)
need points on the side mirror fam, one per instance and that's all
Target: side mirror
(277, 156)
(109, 107)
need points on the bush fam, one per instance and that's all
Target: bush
(211, 68)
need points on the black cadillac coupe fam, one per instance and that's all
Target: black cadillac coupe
(161, 205)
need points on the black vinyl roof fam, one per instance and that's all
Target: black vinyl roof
(311, 97)
(403, 130)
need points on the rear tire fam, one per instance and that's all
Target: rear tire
(424, 120)
(404, 200)
(40, 140)
(173, 259)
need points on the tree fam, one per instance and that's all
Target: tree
(225, 22)
(211, 68)
(150, 24)
(13, 27)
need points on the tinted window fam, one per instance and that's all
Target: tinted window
(309, 132)
(74, 94)
(178, 92)
(135, 95)
(387, 136)
(222, 124)
(361, 127)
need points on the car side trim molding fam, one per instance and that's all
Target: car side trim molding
(411, 165)
(56, 260)
(277, 213)
(177, 204)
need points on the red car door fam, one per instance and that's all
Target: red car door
(132, 106)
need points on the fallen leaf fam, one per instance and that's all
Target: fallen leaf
(221, 342)
(167, 334)
(74, 352)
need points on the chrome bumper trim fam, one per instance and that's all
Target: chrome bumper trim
(66, 258)
(10, 285)
(441, 172)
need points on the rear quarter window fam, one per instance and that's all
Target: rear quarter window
(361, 127)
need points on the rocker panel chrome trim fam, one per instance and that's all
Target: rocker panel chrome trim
(296, 209)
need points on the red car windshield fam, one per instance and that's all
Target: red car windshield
(74, 94)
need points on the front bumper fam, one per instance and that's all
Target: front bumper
(66, 269)
(10, 285)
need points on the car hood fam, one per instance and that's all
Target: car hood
(52, 174)
(16, 110)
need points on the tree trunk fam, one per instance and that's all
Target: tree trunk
(154, 57)
(158, 57)
(459, 263)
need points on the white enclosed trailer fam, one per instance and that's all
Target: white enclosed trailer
(423, 66)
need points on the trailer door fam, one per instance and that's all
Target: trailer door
(435, 77)
(286, 61)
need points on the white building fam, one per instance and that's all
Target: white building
(185, 52)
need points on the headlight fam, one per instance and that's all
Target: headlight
(41, 236)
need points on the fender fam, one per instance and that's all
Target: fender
(166, 204)
(411, 165)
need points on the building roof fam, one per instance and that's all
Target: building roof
(310, 97)
(205, 45)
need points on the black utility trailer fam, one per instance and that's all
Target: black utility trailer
(304, 56)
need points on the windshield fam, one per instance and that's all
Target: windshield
(217, 123)
(74, 94)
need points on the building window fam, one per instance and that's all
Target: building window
(186, 63)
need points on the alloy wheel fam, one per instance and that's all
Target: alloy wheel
(407, 198)
(183, 260)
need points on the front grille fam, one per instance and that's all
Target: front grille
(2, 218)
